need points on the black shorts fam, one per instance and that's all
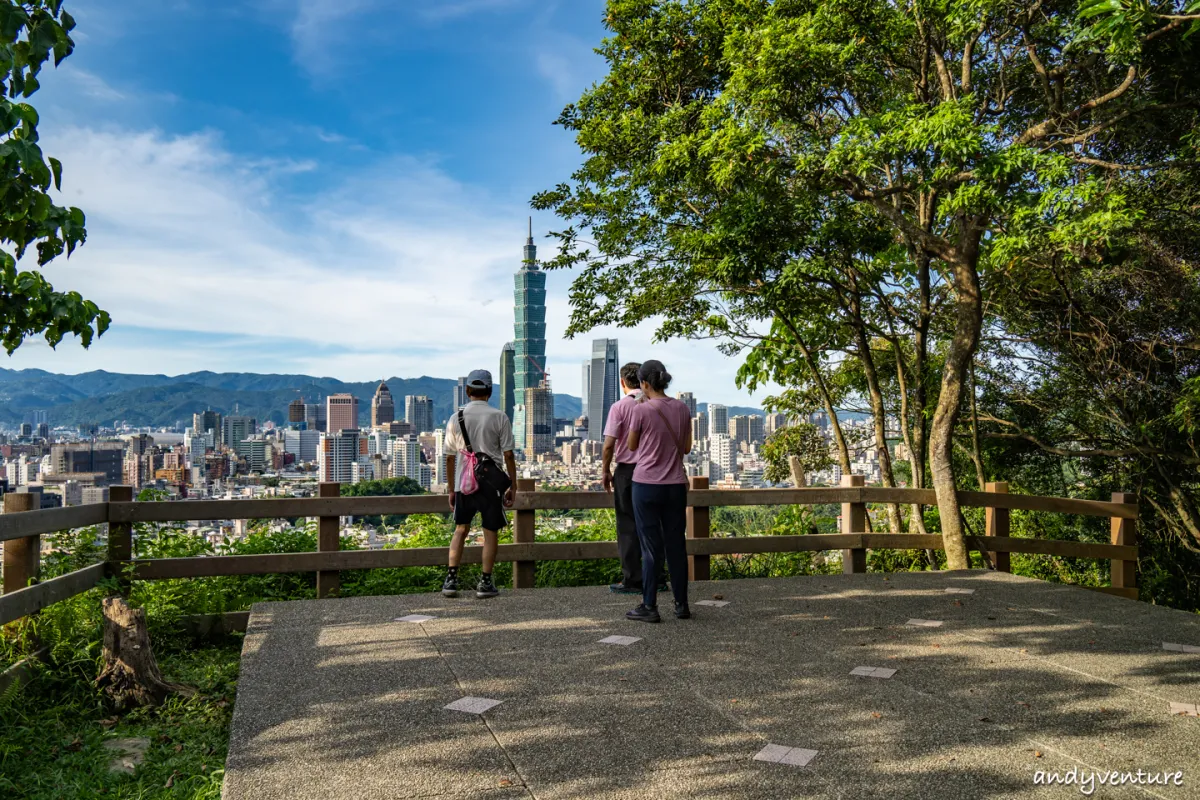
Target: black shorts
(487, 503)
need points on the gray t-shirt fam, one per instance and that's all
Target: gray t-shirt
(490, 433)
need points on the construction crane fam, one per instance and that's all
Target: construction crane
(545, 375)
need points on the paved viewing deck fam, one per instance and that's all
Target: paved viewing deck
(337, 699)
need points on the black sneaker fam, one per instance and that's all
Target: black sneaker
(486, 588)
(621, 588)
(682, 611)
(450, 586)
(643, 614)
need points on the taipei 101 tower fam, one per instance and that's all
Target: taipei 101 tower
(533, 414)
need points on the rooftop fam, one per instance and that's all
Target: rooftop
(337, 699)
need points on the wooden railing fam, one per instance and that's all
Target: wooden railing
(21, 528)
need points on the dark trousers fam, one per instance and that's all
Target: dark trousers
(629, 545)
(661, 513)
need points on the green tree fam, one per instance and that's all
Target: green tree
(985, 138)
(800, 441)
(31, 33)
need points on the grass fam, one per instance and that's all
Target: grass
(54, 729)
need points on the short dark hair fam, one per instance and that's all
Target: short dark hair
(655, 374)
(629, 374)
(479, 394)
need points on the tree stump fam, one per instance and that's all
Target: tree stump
(130, 676)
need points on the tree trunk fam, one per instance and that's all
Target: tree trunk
(839, 438)
(130, 676)
(797, 469)
(968, 320)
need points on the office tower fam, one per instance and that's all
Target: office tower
(315, 417)
(406, 458)
(418, 412)
(41, 417)
(236, 428)
(341, 413)
(26, 430)
(689, 400)
(603, 385)
(196, 445)
(529, 345)
(756, 431)
(739, 428)
(774, 422)
(302, 444)
(718, 419)
(460, 394)
(141, 444)
(587, 388)
(539, 419)
(699, 426)
(43, 430)
(105, 460)
(296, 413)
(340, 451)
(724, 454)
(383, 407)
(207, 421)
(254, 450)
(508, 374)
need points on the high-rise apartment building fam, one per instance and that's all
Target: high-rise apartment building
(689, 400)
(718, 419)
(699, 426)
(539, 420)
(739, 429)
(340, 451)
(774, 422)
(529, 349)
(723, 452)
(508, 374)
(460, 394)
(757, 431)
(237, 428)
(418, 412)
(341, 413)
(383, 407)
(296, 413)
(604, 388)
(207, 421)
(406, 458)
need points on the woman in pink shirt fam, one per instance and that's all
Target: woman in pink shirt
(660, 432)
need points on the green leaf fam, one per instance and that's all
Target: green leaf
(56, 168)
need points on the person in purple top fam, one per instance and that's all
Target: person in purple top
(660, 432)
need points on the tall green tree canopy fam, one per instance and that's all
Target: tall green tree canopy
(744, 158)
(33, 32)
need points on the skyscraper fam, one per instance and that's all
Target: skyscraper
(587, 388)
(236, 429)
(315, 418)
(418, 412)
(539, 419)
(383, 406)
(460, 394)
(739, 429)
(603, 385)
(342, 413)
(208, 421)
(339, 452)
(700, 426)
(529, 347)
(689, 400)
(295, 413)
(718, 419)
(508, 368)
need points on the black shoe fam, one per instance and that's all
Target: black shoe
(486, 588)
(682, 611)
(643, 614)
(621, 588)
(450, 586)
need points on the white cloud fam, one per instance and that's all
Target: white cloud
(206, 262)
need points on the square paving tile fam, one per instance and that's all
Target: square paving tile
(782, 754)
(473, 705)
(621, 640)
(873, 672)
(1185, 709)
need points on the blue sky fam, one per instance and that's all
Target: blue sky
(337, 187)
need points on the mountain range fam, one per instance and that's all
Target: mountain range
(103, 398)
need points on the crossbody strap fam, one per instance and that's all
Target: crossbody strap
(462, 428)
(678, 439)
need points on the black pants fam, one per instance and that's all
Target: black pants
(661, 512)
(629, 545)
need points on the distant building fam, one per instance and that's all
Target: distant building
(774, 422)
(237, 428)
(604, 385)
(587, 387)
(43, 430)
(529, 353)
(340, 450)
(406, 458)
(315, 416)
(571, 451)
(255, 452)
(93, 494)
(26, 430)
(739, 428)
(296, 413)
(699, 426)
(107, 458)
(539, 420)
(418, 412)
(757, 431)
(398, 428)
(723, 453)
(302, 444)
(141, 443)
(689, 400)
(718, 419)
(341, 413)
(508, 361)
(208, 421)
(383, 407)
(460, 394)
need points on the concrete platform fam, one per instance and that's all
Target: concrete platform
(338, 700)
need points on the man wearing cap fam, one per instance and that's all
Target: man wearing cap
(489, 433)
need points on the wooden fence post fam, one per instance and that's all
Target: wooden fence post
(996, 523)
(854, 520)
(1124, 532)
(120, 539)
(22, 557)
(329, 582)
(698, 527)
(524, 531)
